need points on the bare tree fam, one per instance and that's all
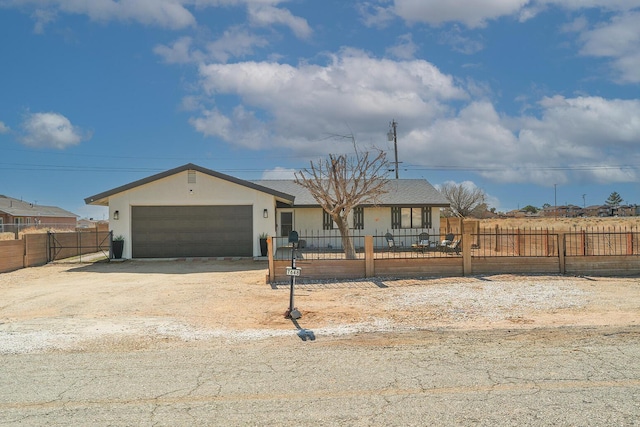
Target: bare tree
(341, 183)
(464, 199)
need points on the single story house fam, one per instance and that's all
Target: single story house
(16, 215)
(191, 211)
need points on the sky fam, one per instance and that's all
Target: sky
(533, 101)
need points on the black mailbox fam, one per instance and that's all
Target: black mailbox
(293, 237)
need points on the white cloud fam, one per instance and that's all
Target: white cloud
(163, 13)
(179, 52)
(477, 13)
(213, 123)
(472, 13)
(405, 48)
(266, 15)
(240, 128)
(235, 42)
(584, 138)
(4, 128)
(51, 130)
(618, 39)
(459, 42)
(373, 15)
(312, 101)
(279, 173)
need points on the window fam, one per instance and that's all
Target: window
(358, 218)
(410, 217)
(327, 222)
(286, 223)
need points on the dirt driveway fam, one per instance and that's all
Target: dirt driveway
(136, 304)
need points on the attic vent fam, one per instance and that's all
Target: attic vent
(191, 177)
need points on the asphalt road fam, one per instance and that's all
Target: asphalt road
(531, 377)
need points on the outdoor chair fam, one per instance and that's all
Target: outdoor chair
(423, 243)
(391, 243)
(454, 246)
(448, 238)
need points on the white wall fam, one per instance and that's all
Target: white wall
(176, 191)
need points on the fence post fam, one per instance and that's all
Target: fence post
(629, 243)
(545, 242)
(497, 248)
(467, 229)
(369, 267)
(272, 271)
(562, 243)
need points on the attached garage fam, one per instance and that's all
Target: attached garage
(193, 212)
(191, 231)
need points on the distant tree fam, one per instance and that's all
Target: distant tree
(614, 200)
(546, 205)
(465, 199)
(340, 183)
(530, 209)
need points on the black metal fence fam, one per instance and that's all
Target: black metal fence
(494, 242)
(327, 244)
(603, 241)
(501, 242)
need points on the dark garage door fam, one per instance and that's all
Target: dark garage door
(191, 231)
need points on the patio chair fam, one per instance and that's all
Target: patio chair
(423, 243)
(391, 243)
(454, 246)
(448, 238)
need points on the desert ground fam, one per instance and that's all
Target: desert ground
(142, 303)
(562, 224)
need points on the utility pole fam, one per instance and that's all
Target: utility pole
(393, 136)
(555, 199)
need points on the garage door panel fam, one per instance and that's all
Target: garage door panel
(191, 231)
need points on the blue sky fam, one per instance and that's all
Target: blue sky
(529, 100)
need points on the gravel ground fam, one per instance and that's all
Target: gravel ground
(141, 304)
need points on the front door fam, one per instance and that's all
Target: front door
(286, 223)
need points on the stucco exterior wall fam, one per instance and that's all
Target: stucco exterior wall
(175, 190)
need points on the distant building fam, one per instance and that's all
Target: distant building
(16, 215)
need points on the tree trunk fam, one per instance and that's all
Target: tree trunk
(347, 243)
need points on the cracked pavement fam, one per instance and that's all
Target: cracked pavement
(587, 376)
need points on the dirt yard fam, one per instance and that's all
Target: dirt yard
(137, 304)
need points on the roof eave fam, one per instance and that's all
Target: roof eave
(102, 199)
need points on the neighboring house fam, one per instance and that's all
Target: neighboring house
(191, 211)
(16, 215)
(625, 210)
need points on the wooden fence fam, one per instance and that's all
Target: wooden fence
(40, 248)
(606, 252)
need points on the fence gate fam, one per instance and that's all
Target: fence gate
(71, 246)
